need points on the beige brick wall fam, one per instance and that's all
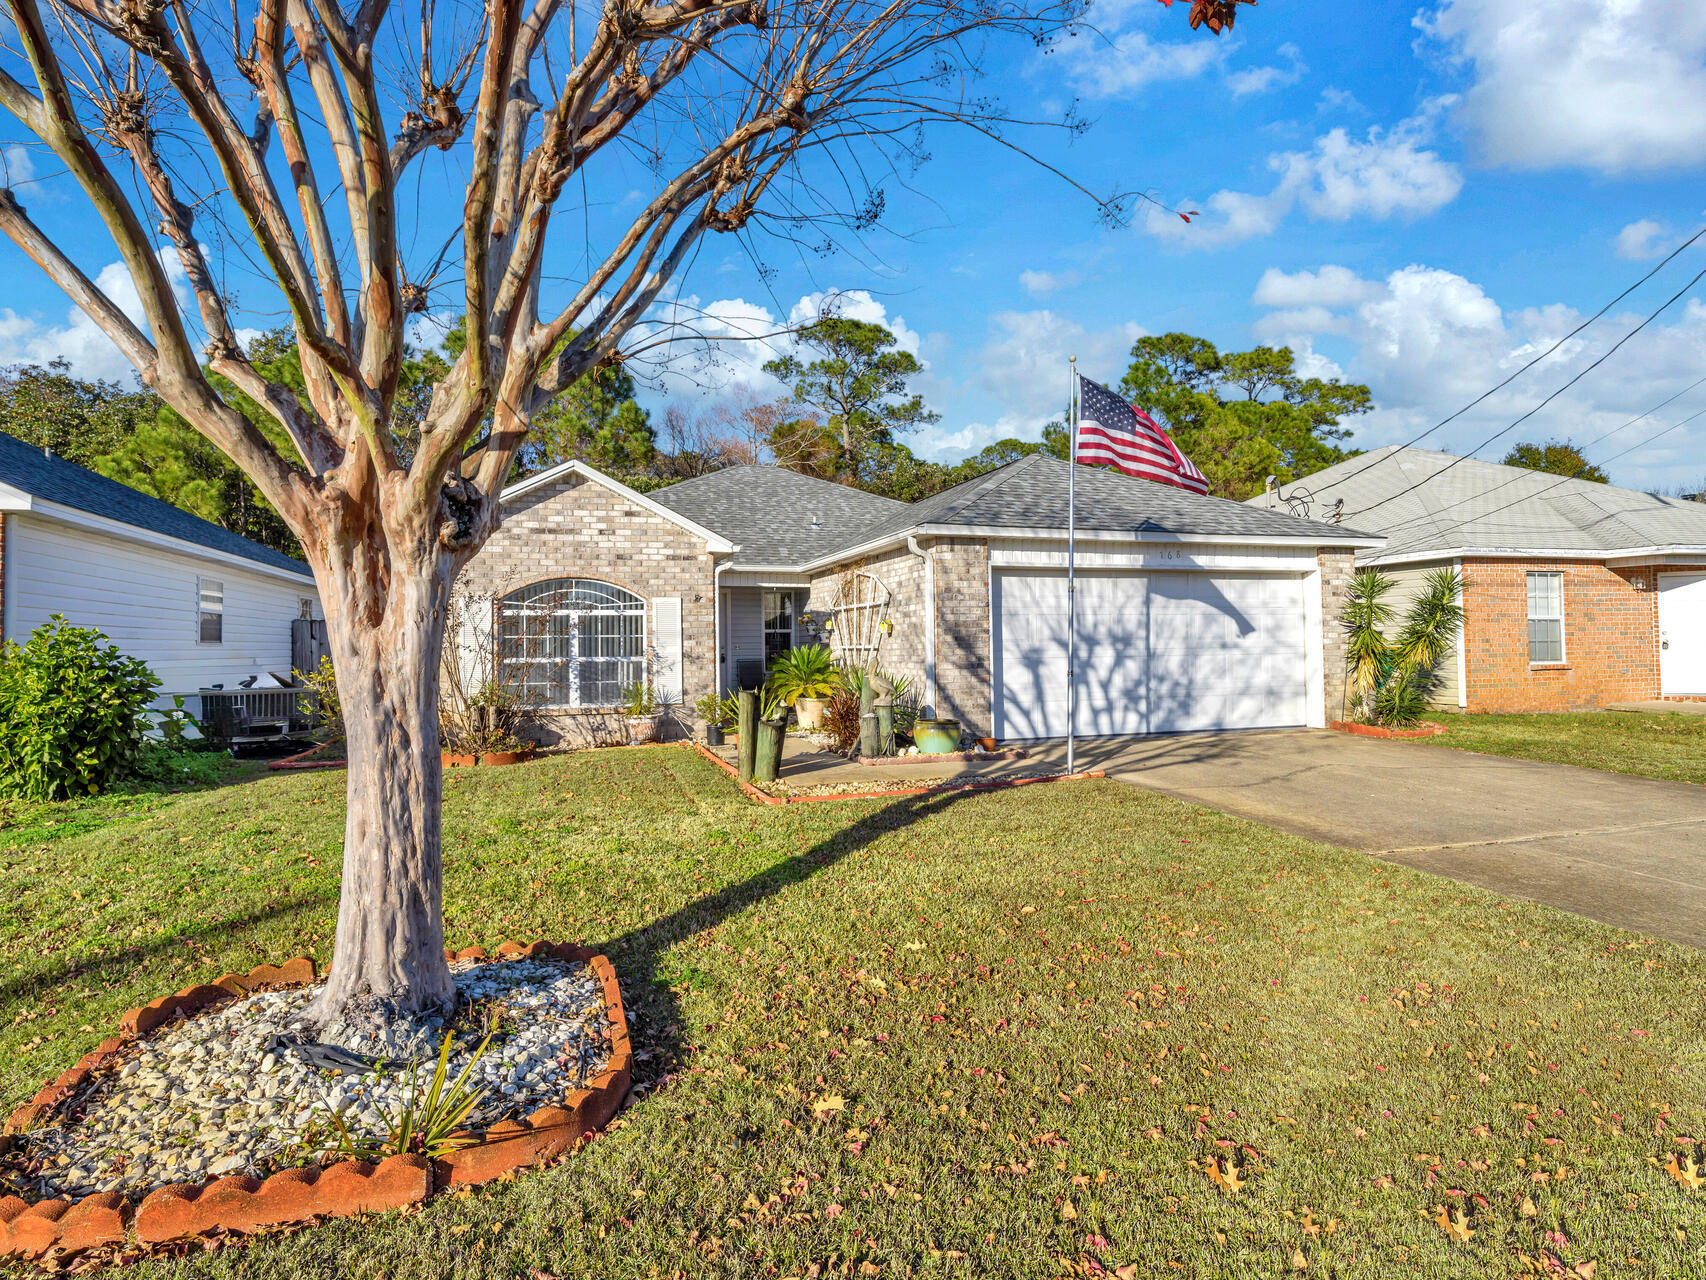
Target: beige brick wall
(901, 653)
(578, 528)
(1337, 568)
(962, 633)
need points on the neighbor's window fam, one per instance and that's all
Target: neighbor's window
(571, 642)
(1545, 617)
(210, 604)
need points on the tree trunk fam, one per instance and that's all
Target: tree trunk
(388, 956)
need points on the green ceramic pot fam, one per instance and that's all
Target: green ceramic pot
(936, 737)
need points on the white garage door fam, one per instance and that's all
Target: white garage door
(1157, 653)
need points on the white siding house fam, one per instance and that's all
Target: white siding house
(199, 604)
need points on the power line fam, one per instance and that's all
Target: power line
(1548, 400)
(1563, 480)
(1411, 443)
(1524, 473)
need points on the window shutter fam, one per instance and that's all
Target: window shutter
(666, 649)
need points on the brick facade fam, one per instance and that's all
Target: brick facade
(1611, 646)
(901, 652)
(578, 528)
(962, 633)
(1338, 566)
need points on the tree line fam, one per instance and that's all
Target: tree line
(1241, 416)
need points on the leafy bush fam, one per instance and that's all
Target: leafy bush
(723, 711)
(72, 713)
(805, 671)
(321, 700)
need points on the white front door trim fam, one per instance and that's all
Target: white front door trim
(1682, 634)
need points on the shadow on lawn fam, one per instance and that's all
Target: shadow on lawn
(638, 954)
(129, 958)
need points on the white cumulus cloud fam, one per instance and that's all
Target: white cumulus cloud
(1615, 86)
(1385, 174)
(1641, 240)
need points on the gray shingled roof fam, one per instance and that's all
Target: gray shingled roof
(1031, 494)
(53, 479)
(1410, 496)
(768, 512)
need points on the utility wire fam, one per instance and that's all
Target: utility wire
(1548, 400)
(1524, 474)
(1415, 440)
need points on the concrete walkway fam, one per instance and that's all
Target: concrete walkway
(1658, 706)
(1628, 851)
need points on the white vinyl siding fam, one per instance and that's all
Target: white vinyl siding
(147, 601)
(1545, 618)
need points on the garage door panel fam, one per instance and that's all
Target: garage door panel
(1161, 652)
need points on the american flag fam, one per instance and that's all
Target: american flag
(1112, 431)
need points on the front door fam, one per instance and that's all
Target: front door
(1682, 634)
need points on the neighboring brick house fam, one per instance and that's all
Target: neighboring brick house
(1578, 595)
(1194, 612)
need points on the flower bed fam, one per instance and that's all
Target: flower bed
(583, 1101)
(917, 758)
(1426, 729)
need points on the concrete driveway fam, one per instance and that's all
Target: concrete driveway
(1628, 851)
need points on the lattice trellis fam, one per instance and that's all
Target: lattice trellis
(860, 611)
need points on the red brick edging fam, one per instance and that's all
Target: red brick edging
(999, 784)
(1423, 730)
(294, 1195)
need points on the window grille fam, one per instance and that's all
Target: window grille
(571, 642)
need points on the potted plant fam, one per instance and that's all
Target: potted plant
(936, 737)
(640, 707)
(806, 677)
(718, 714)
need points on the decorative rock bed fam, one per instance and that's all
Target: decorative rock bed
(209, 1091)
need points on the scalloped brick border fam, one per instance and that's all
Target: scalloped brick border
(294, 1195)
(1426, 729)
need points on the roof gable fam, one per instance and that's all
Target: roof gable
(41, 475)
(714, 541)
(777, 517)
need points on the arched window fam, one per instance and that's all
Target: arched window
(572, 642)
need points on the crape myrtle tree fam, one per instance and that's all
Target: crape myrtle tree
(270, 143)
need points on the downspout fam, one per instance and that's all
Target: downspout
(717, 620)
(929, 620)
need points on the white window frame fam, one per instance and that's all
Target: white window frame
(202, 611)
(635, 606)
(1530, 616)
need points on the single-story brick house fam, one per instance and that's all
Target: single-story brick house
(1194, 612)
(1578, 594)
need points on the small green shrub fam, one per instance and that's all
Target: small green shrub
(638, 700)
(72, 713)
(430, 1124)
(321, 700)
(723, 711)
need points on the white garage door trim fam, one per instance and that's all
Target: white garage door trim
(1682, 634)
(1159, 652)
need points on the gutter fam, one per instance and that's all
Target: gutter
(1619, 556)
(929, 620)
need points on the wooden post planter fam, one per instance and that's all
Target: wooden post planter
(767, 762)
(748, 729)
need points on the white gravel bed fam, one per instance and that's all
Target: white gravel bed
(218, 1094)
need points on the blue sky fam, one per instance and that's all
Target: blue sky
(1419, 198)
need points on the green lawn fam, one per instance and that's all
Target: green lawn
(1044, 1011)
(1660, 745)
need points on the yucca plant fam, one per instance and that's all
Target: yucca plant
(805, 671)
(1365, 618)
(429, 1124)
(1392, 682)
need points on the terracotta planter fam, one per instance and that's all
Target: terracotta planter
(988, 744)
(643, 729)
(450, 761)
(810, 712)
(507, 757)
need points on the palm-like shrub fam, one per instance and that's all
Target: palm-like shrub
(807, 671)
(1392, 681)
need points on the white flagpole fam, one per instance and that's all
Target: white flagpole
(1071, 562)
